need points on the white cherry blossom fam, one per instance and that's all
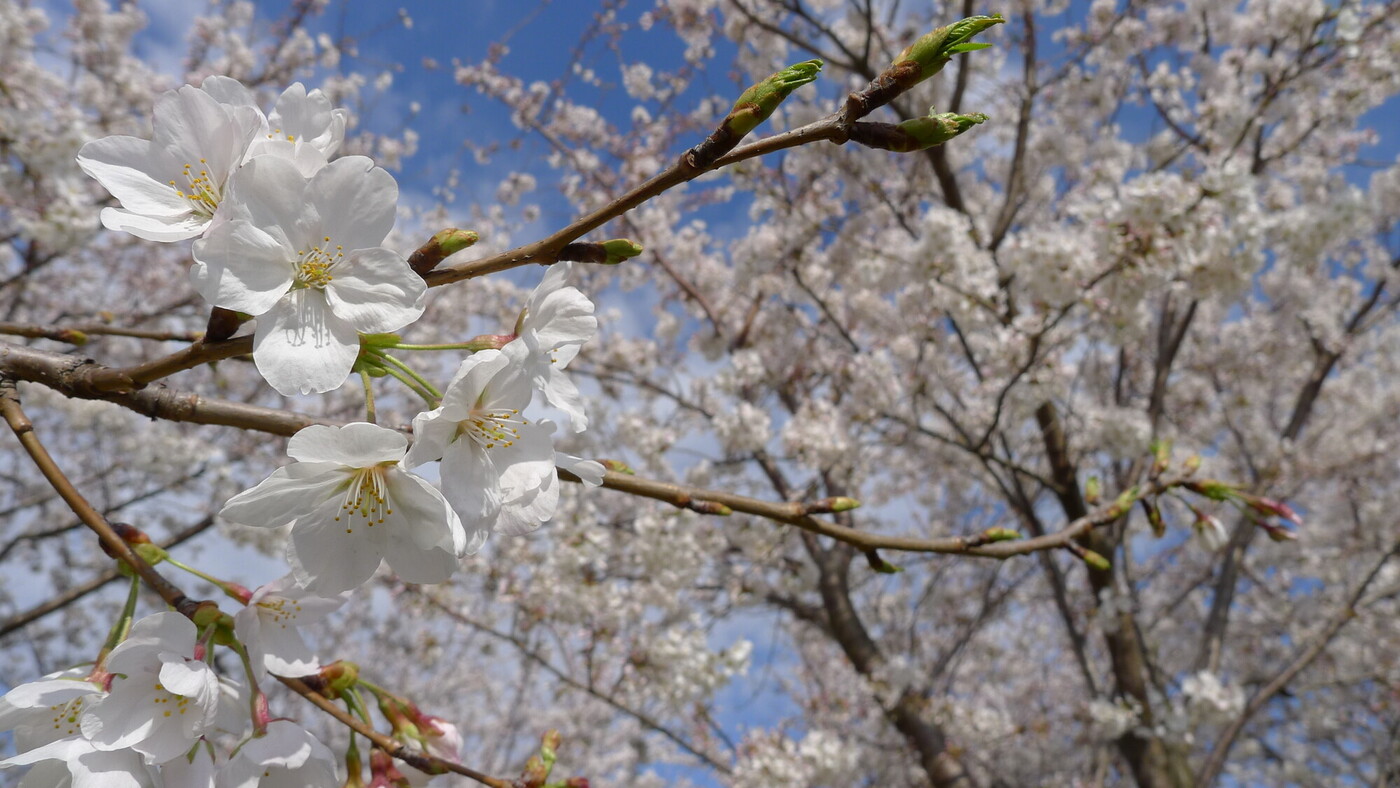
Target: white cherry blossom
(352, 504)
(165, 699)
(497, 467)
(556, 321)
(77, 763)
(287, 756)
(304, 255)
(171, 185)
(267, 626)
(302, 128)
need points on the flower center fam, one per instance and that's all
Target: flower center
(367, 494)
(314, 265)
(278, 133)
(280, 610)
(199, 191)
(66, 716)
(162, 698)
(492, 428)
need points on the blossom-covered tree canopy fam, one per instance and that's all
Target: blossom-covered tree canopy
(742, 393)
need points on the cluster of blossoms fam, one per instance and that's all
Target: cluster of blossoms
(292, 238)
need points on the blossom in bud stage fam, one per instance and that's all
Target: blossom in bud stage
(619, 249)
(759, 101)
(915, 134)
(268, 627)
(556, 321)
(497, 467)
(287, 756)
(1269, 506)
(1210, 532)
(167, 699)
(304, 256)
(171, 185)
(933, 51)
(352, 504)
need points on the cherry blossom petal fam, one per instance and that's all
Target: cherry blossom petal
(331, 555)
(376, 291)
(418, 502)
(168, 631)
(301, 347)
(153, 228)
(590, 472)
(292, 491)
(356, 201)
(240, 266)
(269, 192)
(357, 445)
(124, 167)
(559, 390)
(471, 483)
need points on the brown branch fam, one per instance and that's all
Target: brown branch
(78, 333)
(799, 515)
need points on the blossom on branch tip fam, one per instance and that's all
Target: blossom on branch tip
(267, 626)
(171, 185)
(304, 256)
(287, 756)
(166, 700)
(351, 504)
(497, 467)
(556, 321)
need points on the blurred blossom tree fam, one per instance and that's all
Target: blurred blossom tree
(923, 447)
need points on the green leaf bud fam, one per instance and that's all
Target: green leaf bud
(933, 51)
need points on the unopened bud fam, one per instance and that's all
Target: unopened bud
(1000, 535)
(753, 107)
(919, 61)
(549, 746)
(915, 134)
(618, 466)
(72, 336)
(1277, 533)
(620, 249)
(1192, 464)
(759, 101)
(1161, 457)
(1093, 491)
(1154, 518)
(1213, 489)
(1095, 561)
(839, 503)
(880, 564)
(933, 51)
(207, 614)
(439, 247)
(1269, 506)
(1123, 504)
(338, 677)
(709, 507)
(1210, 532)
